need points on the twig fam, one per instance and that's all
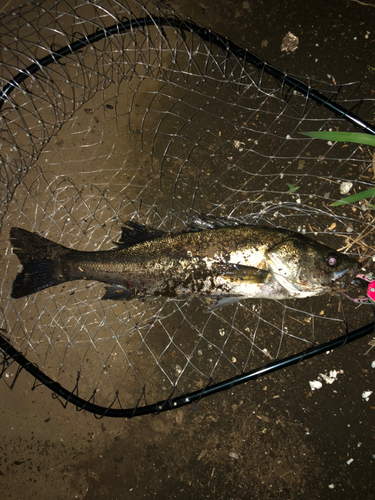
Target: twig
(363, 3)
(359, 238)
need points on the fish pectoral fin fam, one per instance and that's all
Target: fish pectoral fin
(238, 272)
(117, 292)
(224, 301)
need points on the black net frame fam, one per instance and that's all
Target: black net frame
(238, 69)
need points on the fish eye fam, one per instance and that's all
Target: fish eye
(332, 259)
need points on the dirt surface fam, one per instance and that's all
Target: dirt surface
(269, 439)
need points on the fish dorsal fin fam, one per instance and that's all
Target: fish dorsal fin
(212, 222)
(134, 233)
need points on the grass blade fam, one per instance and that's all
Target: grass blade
(354, 137)
(369, 193)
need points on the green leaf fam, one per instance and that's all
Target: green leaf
(292, 189)
(355, 137)
(369, 193)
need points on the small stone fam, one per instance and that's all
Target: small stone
(345, 187)
(289, 43)
(366, 394)
(315, 384)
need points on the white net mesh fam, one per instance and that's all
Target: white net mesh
(157, 125)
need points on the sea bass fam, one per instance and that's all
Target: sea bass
(224, 261)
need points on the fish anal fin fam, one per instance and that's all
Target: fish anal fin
(116, 292)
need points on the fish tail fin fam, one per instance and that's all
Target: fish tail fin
(42, 262)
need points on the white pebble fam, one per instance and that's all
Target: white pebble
(315, 384)
(345, 187)
(366, 394)
(329, 379)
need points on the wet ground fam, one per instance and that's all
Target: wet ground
(273, 438)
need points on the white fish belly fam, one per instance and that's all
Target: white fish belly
(221, 287)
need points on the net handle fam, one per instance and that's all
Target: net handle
(177, 402)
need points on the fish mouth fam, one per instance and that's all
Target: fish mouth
(339, 274)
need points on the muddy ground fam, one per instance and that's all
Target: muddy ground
(269, 439)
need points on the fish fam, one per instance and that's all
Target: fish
(213, 258)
